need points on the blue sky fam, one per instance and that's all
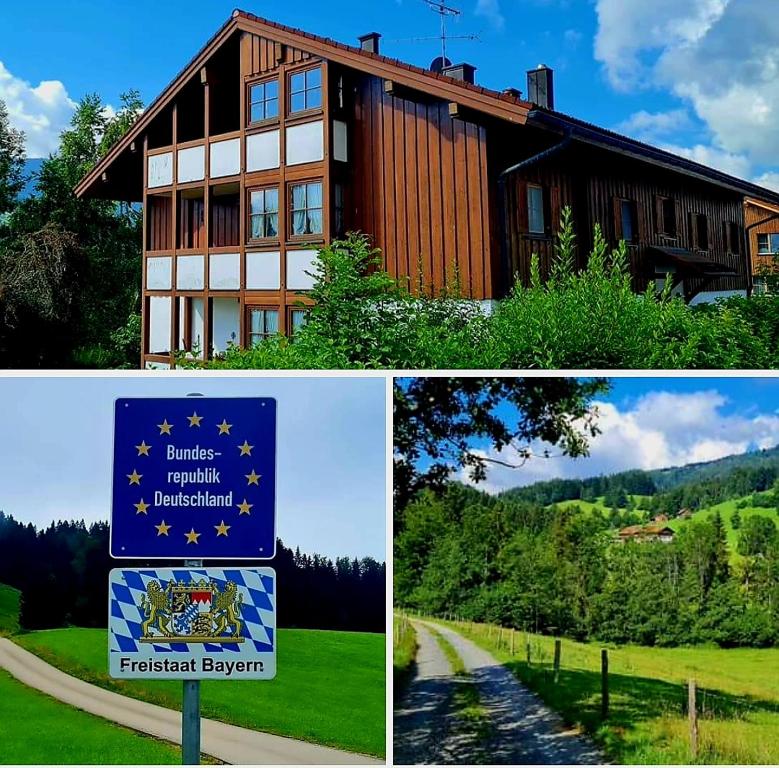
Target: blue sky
(56, 449)
(650, 423)
(694, 76)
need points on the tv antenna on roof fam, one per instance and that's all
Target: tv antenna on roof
(444, 11)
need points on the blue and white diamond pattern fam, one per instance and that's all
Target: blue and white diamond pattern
(257, 612)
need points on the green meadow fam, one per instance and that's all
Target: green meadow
(738, 697)
(330, 687)
(37, 730)
(9, 610)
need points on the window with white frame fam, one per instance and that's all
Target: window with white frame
(535, 210)
(305, 90)
(768, 244)
(264, 101)
(306, 209)
(264, 213)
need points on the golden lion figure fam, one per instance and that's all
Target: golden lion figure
(226, 610)
(155, 606)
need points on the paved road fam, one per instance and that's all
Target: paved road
(525, 730)
(425, 729)
(228, 743)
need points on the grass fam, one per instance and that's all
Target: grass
(404, 652)
(330, 687)
(37, 730)
(9, 610)
(738, 696)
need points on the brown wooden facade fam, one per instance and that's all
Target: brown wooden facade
(762, 224)
(415, 159)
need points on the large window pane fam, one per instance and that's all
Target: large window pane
(264, 99)
(307, 209)
(306, 90)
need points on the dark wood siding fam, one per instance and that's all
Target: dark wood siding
(191, 224)
(420, 190)
(158, 223)
(261, 55)
(225, 221)
(593, 183)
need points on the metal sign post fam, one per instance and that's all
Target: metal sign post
(190, 710)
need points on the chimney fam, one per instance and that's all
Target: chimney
(540, 86)
(465, 72)
(370, 42)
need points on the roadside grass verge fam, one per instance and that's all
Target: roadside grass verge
(9, 610)
(38, 730)
(738, 699)
(330, 687)
(404, 653)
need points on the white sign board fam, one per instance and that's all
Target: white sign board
(192, 623)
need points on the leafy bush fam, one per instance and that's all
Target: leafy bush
(592, 318)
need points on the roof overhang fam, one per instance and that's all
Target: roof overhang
(614, 142)
(482, 100)
(768, 207)
(692, 264)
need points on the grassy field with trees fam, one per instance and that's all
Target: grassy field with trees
(330, 687)
(9, 610)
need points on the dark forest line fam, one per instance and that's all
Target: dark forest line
(62, 572)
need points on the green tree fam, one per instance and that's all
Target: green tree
(757, 536)
(735, 519)
(12, 157)
(438, 420)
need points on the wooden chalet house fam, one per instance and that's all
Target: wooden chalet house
(273, 141)
(762, 226)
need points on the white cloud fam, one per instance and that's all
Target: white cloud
(661, 429)
(490, 10)
(41, 111)
(769, 180)
(719, 57)
(727, 162)
(650, 126)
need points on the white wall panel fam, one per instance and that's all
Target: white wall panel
(263, 270)
(226, 316)
(190, 273)
(159, 324)
(262, 151)
(225, 158)
(161, 170)
(305, 143)
(224, 271)
(192, 164)
(298, 263)
(159, 273)
(340, 141)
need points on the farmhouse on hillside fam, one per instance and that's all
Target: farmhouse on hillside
(273, 141)
(644, 533)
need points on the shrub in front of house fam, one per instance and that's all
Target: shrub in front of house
(363, 318)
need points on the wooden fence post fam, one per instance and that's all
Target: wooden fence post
(527, 647)
(604, 684)
(512, 641)
(692, 710)
(557, 647)
(500, 636)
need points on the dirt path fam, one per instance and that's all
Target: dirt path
(525, 730)
(227, 743)
(425, 728)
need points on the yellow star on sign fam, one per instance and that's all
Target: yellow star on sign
(245, 507)
(143, 449)
(222, 529)
(135, 478)
(141, 507)
(253, 478)
(194, 420)
(224, 427)
(192, 537)
(245, 449)
(165, 427)
(162, 529)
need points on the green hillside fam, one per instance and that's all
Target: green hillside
(9, 610)
(330, 687)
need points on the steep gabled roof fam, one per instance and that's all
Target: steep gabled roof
(500, 105)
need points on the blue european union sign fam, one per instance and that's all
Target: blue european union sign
(194, 478)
